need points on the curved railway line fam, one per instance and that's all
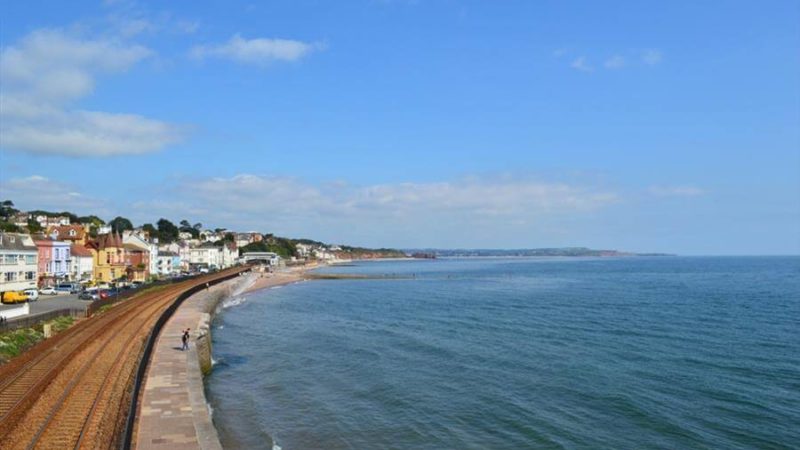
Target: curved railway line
(71, 391)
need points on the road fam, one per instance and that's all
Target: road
(47, 303)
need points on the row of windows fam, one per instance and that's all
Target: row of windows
(14, 276)
(17, 259)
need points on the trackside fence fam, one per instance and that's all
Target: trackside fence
(33, 319)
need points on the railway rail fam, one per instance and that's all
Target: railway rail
(71, 391)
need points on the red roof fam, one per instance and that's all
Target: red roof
(80, 250)
(63, 231)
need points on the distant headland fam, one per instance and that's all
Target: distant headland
(525, 252)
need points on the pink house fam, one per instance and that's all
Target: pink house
(54, 261)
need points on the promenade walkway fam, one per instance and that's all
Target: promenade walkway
(173, 412)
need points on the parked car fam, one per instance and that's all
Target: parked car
(32, 294)
(14, 297)
(50, 290)
(103, 294)
(88, 295)
(68, 288)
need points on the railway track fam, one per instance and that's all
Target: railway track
(71, 392)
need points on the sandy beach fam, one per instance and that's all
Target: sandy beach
(267, 280)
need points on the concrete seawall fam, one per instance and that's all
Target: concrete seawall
(173, 412)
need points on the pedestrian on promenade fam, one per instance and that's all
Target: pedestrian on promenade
(206, 286)
(185, 339)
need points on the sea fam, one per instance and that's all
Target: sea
(506, 353)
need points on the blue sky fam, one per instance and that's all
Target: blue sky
(643, 126)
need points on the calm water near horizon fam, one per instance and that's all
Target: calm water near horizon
(623, 353)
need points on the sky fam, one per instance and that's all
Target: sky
(640, 126)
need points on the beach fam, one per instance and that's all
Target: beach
(265, 280)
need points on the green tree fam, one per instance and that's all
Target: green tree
(120, 224)
(7, 209)
(167, 231)
(8, 227)
(150, 230)
(187, 227)
(34, 226)
(91, 220)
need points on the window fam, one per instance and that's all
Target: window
(10, 276)
(30, 259)
(30, 276)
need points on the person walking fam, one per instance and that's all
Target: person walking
(185, 339)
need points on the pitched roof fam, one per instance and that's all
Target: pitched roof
(112, 240)
(80, 250)
(17, 241)
(63, 231)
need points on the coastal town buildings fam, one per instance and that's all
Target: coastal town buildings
(108, 252)
(54, 261)
(167, 263)
(50, 221)
(141, 255)
(82, 264)
(137, 257)
(19, 258)
(74, 234)
(230, 253)
(206, 255)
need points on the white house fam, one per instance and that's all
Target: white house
(206, 255)
(141, 239)
(209, 236)
(82, 266)
(19, 261)
(230, 253)
(168, 262)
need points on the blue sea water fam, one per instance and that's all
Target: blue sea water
(623, 353)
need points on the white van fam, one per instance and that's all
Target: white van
(32, 294)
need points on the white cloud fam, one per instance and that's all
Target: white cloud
(258, 51)
(45, 73)
(652, 57)
(581, 63)
(249, 198)
(675, 191)
(39, 192)
(615, 62)
(52, 65)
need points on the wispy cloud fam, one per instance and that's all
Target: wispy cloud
(39, 192)
(615, 62)
(46, 72)
(582, 64)
(675, 191)
(469, 198)
(580, 61)
(258, 51)
(652, 57)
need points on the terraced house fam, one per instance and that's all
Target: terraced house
(54, 261)
(19, 259)
(109, 257)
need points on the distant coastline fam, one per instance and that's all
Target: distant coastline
(555, 252)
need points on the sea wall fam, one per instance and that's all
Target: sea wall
(173, 411)
(207, 307)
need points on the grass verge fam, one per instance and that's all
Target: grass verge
(15, 342)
